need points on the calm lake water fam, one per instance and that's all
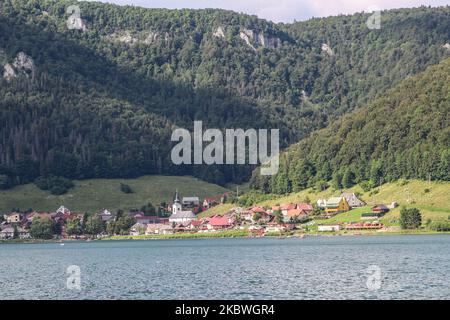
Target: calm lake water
(414, 267)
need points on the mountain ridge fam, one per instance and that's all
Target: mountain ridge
(405, 134)
(143, 91)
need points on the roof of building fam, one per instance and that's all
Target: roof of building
(288, 206)
(295, 212)
(158, 226)
(191, 199)
(182, 214)
(305, 206)
(380, 207)
(333, 201)
(196, 223)
(219, 221)
(352, 199)
(257, 209)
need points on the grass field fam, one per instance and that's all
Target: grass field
(433, 203)
(96, 194)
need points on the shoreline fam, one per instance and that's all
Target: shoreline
(222, 235)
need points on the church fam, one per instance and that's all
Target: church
(178, 215)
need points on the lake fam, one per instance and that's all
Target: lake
(393, 267)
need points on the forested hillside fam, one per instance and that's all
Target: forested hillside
(405, 134)
(102, 101)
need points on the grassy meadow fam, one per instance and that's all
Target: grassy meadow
(431, 198)
(95, 194)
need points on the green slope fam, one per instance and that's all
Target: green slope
(404, 134)
(434, 203)
(95, 194)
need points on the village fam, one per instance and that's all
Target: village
(182, 216)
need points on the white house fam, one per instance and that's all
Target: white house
(322, 203)
(329, 227)
(158, 228)
(63, 210)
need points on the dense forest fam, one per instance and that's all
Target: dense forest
(404, 134)
(102, 101)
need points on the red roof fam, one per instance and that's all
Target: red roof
(294, 212)
(305, 206)
(219, 221)
(196, 223)
(287, 206)
(257, 209)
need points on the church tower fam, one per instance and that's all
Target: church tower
(176, 207)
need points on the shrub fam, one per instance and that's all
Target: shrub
(440, 226)
(42, 228)
(410, 218)
(367, 185)
(427, 190)
(125, 188)
(56, 185)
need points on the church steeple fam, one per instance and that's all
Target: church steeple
(176, 207)
(177, 198)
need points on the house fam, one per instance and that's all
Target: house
(256, 230)
(275, 209)
(40, 215)
(210, 202)
(24, 234)
(265, 217)
(182, 216)
(190, 202)
(196, 224)
(371, 216)
(328, 228)
(8, 233)
(159, 229)
(247, 215)
(14, 217)
(218, 223)
(63, 210)
(286, 207)
(295, 215)
(182, 227)
(275, 228)
(138, 229)
(257, 209)
(306, 207)
(353, 200)
(105, 215)
(393, 205)
(141, 218)
(380, 208)
(322, 203)
(336, 205)
(364, 226)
